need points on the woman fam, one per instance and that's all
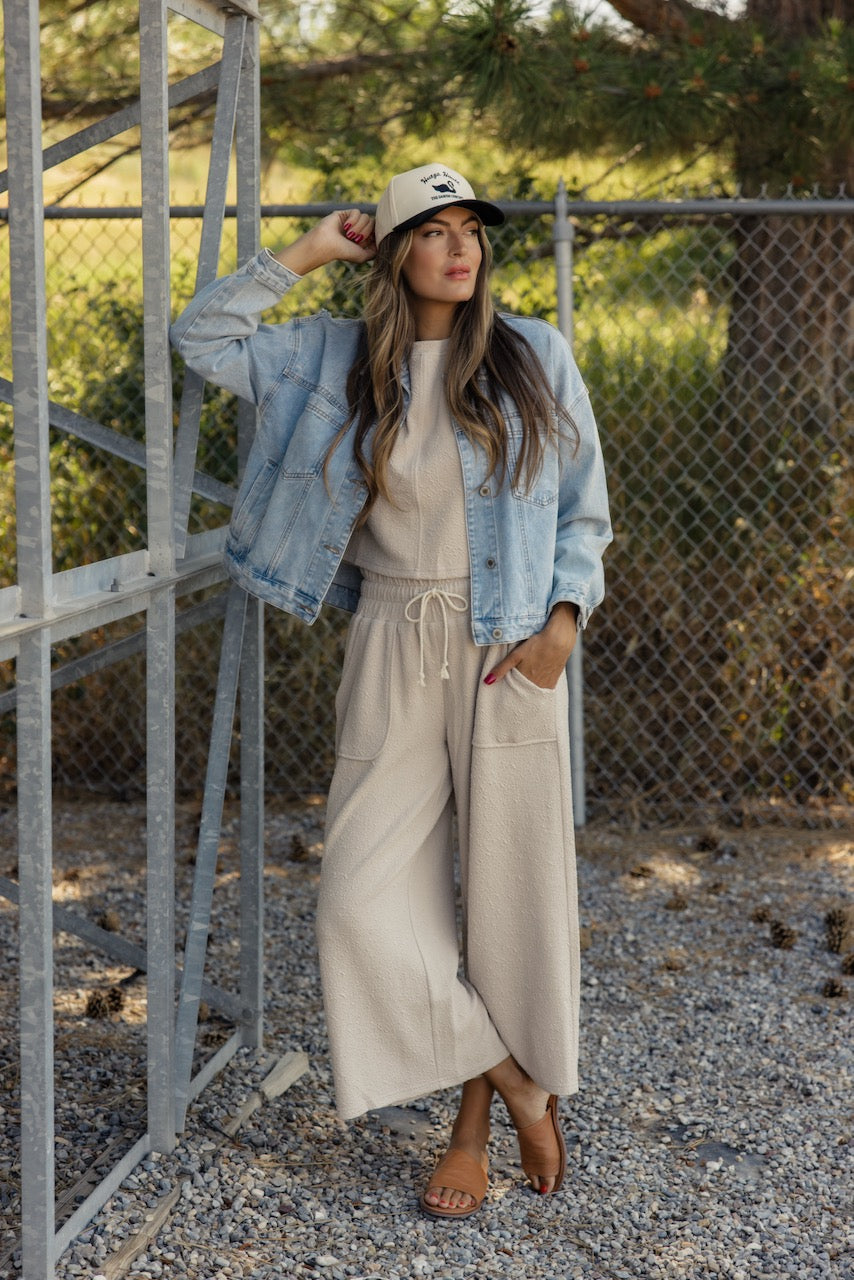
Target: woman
(436, 468)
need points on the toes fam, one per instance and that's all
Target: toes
(543, 1186)
(448, 1198)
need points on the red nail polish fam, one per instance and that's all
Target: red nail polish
(543, 1189)
(490, 679)
(347, 226)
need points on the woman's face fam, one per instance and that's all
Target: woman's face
(442, 264)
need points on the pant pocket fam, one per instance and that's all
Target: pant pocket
(363, 700)
(516, 711)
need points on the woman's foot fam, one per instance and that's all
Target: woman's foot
(534, 1115)
(470, 1136)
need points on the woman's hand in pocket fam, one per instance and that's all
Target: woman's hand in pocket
(542, 657)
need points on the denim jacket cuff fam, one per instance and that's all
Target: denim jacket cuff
(268, 271)
(584, 610)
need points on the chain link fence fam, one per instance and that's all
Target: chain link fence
(718, 351)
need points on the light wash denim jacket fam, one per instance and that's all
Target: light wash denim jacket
(289, 531)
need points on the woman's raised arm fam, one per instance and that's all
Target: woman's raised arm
(343, 236)
(220, 334)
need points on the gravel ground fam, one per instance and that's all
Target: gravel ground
(712, 1136)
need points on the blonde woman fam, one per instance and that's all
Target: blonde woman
(435, 468)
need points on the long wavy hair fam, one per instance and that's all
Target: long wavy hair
(486, 357)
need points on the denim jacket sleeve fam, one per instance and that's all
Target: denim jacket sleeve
(583, 520)
(220, 336)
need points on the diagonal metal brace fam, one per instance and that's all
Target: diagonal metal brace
(217, 190)
(198, 927)
(120, 121)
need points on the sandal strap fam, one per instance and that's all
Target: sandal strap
(539, 1146)
(461, 1172)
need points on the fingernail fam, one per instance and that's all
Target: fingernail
(543, 1189)
(358, 239)
(490, 679)
(347, 226)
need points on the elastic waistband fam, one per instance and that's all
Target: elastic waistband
(388, 597)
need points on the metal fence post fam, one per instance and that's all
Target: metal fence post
(563, 235)
(160, 732)
(32, 476)
(36, 952)
(248, 163)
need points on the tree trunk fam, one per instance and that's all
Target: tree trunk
(791, 337)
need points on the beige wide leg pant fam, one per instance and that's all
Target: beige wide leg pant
(403, 1020)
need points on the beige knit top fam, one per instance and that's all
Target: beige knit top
(423, 535)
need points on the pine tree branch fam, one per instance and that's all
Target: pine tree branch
(54, 19)
(675, 174)
(80, 109)
(348, 65)
(619, 163)
(674, 18)
(94, 171)
(60, 108)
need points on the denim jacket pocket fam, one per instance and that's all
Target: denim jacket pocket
(249, 510)
(307, 448)
(544, 490)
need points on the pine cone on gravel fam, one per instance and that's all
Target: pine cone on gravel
(782, 936)
(115, 999)
(847, 965)
(676, 903)
(109, 920)
(760, 915)
(839, 927)
(103, 1001)
(97, 1006)
(833, 988)
(641, 871)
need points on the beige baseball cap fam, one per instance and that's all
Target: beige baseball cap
(415, 196)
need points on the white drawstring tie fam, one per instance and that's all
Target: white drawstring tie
(446, 600)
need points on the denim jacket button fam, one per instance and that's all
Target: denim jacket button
(490, 564)
(484, 490)
(497, 633)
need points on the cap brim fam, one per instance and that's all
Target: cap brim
(489, 214)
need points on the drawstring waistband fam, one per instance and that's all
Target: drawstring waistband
(446, 600)
(408, 600)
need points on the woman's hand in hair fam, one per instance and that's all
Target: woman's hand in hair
(542, 657)
(343, 236)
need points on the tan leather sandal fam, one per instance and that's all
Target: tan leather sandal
(460, 1171)
(537, 1143)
